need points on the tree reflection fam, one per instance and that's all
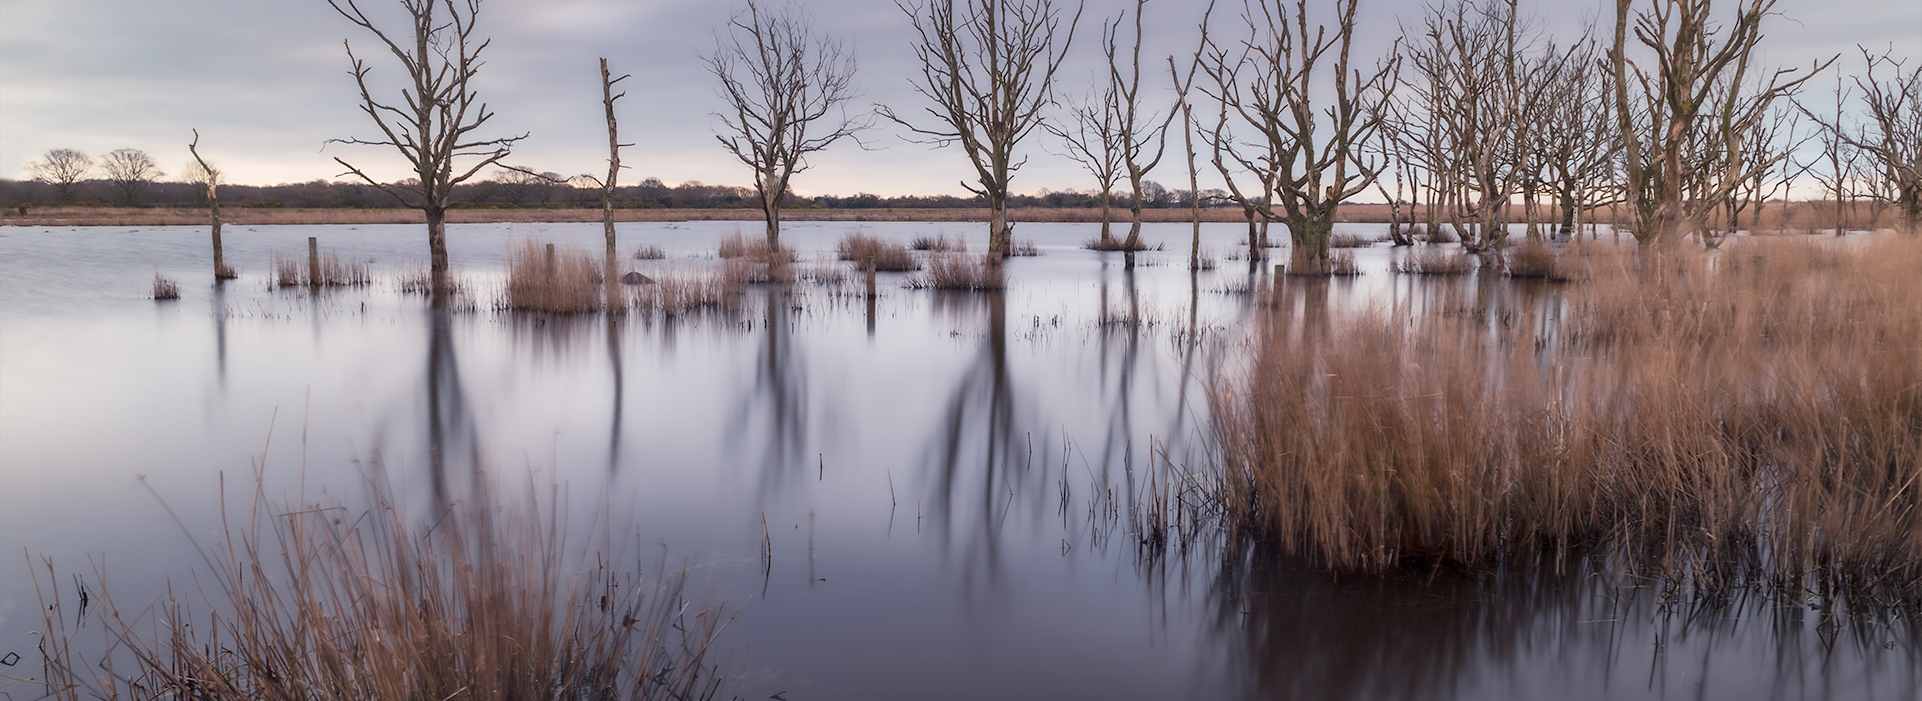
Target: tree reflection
(979, 416)
(451, 435)
(780, 390)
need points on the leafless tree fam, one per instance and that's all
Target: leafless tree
(1841, 157)
(1270, 81)
(1577, 140)
(1135, 129)
(130, 171)
(1695, 95)
(1229, 161)
(63, 169)
(1890, 136)
(1092, 140)
(434, 124)
(1183, 85)
(988, 67)
(778, 79)
(613, 160)
(209, 177)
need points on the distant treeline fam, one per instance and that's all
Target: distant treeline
(512, 191)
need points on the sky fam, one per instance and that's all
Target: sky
(266, 82)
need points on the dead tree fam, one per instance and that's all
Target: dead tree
(63, 169)
(778, 79)
(1890, 135)
(1182, 85)
(988, 67)
(1229, 161)
(130, 171)
(1092, 142)
(1135, 129)
(210, 177)
(1841, 156)
(1269, 81)
(1577, 141)
(613, 159)
(434, 124)
(1672, 108)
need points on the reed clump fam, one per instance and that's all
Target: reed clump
(1347, 240)
(755, 262)
(676, 294)
(483, 600)
(1117, 244)
(1752, 417)
(938, 244)
(1337, 264)
(164, 288)
(960, 271)
(555, 280)
(889, 256)
(1433, 262)
(650, 252)
(1022, 248)
(335, 271)
(1538, 261)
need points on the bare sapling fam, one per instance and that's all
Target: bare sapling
(1889, 136)
(210, 178)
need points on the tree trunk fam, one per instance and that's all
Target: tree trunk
(1107, 217)
(1000, 235)
(1911, 198)
(1569, 209)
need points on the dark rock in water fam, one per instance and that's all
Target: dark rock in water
(633, 278)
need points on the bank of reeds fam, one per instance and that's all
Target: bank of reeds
(1433, 262)
(1539, 261)
(1346, 240)
(1749, 417)
(859, 247)
(164, 288)
(552, 279)
(1022, 248)
(335, 270)
(1338, 264)
(960, 271)
(1117, 244)
(650, 252)
(483, 600)
(754, 262)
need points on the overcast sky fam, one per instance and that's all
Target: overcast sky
(266, 81)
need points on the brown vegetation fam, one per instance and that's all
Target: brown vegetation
(308, 602)
(334, 270)
(676, 294)
(960, 271)
(1347, 240)
(1433, 262)
(1719, 420)
(938, 244)
(547, 279)
(1534, 260)
(164, 288)
(1338, 263)
(650, 252)
(887, 255)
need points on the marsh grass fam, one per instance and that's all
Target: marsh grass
(889, 256)
(307, 600)
(1748, 417)
(1538, 261)
(650, 252)
(1021, 248)
(675, 294)
(1439, 234)
(335, 271)
(753, 262)
(1346, 240)
(568, 282)
(164, 288)
(1116, 244)
(960, 271)
(1433, 262)
(939, 244)
(1337, 264)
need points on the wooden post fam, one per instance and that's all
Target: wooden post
(870, 267)
(1278, 268)
(313, 261)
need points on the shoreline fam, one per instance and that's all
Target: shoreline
(249, 216)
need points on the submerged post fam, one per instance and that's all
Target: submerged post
(313, 261)
(870, 267)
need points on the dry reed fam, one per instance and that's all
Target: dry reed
(545, 279)
(1534, 260)
(1020, 248)
(1433, 262)
(1752, 416)
(1338, 263)
(164, 288)
(676, 294)
(1346, 240)
(650, 252)
(335, 271)
(309, 602)
(959, 271)
(859, 247)
(939, 244)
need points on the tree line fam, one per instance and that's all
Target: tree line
(1475, 116)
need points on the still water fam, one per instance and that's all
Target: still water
(937, 476)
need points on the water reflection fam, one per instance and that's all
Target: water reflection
(778, 396)
(976, 431)
(451, 434)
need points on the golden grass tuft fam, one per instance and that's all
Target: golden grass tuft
(164, 288)
(335, 271)
(650, 252)
(1715, 419)
(1338, 264)
(1433, 262)
(483, 601)
(567, 281)
(960, 271)
(1346, 240)
(675, 294)
(939, 244)
(1538, 261)
(889, 256)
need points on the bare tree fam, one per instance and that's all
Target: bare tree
(209, 177)
(1269, 81)
(1134, 129)
(613, 160)
(778, 78)
(1696, 94)
(988, 66)
(435, 122)
(1182, 85)
(130, 171)
(1839, 179)
(1093, 142)
(63, 169)
(1891, 135)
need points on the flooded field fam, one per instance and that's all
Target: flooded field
(933, 496)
